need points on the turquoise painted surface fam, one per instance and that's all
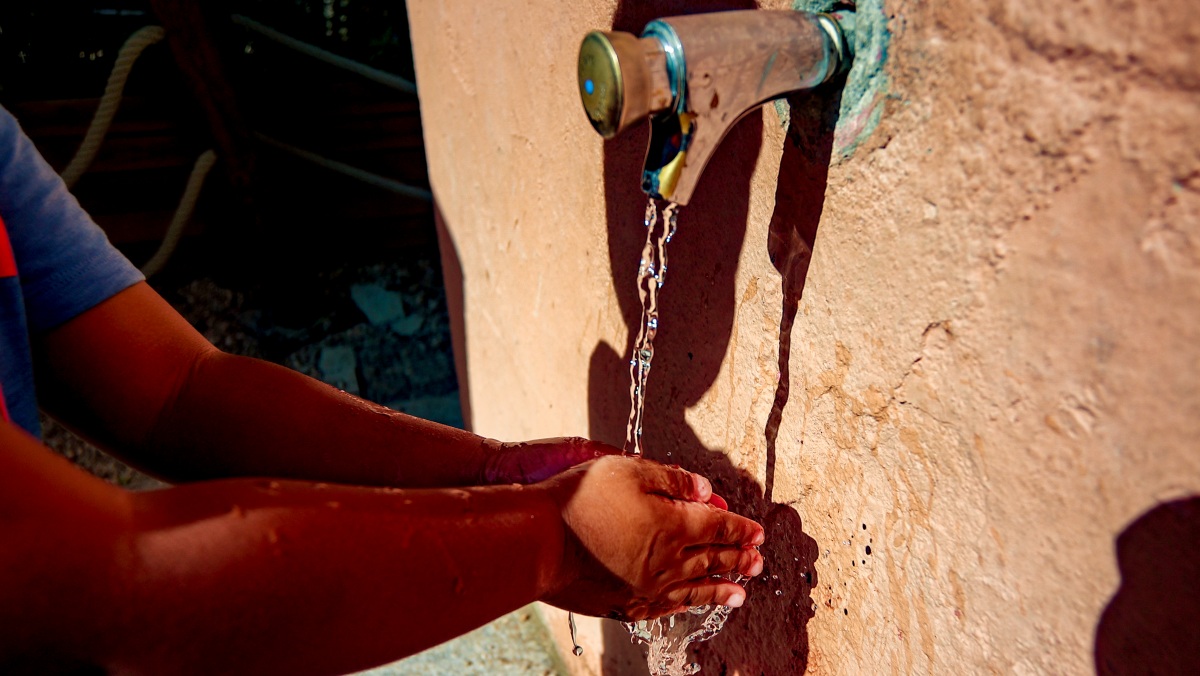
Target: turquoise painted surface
(518, 644)
(866, 84)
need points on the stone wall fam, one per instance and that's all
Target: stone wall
(948, 359)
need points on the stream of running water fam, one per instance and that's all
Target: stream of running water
(651, 275)
(667, 637)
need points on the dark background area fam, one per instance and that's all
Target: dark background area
(284, 259)
(56, 56)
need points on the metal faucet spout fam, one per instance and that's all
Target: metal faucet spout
(696, 76)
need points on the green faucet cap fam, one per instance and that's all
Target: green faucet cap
(601, 86)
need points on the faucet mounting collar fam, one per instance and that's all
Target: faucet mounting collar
(676, 63)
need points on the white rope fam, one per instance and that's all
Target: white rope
(102, 119)
(111, 100)
(183, 213)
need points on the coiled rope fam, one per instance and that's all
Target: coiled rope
(110, 101)
(97, 130)
(183, 213)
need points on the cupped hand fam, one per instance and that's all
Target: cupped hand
(645, 539)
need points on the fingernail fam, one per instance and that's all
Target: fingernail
(759, 538)
(736, 599)
(703, 488)
(757, 568)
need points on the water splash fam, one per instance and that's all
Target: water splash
(668, 637)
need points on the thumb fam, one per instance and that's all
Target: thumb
(676, 483)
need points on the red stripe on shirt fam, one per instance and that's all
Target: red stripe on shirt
(8, 264)
(8, 268)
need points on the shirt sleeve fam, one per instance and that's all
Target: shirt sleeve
(65, 262)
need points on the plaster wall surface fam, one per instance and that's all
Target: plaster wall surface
(976, 352)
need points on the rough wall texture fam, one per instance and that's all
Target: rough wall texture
(972, 346)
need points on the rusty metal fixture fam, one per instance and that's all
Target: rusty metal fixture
(697, 75)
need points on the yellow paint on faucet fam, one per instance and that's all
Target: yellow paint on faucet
(668, 176)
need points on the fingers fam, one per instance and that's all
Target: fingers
(676, 483)
(708, 592)
(718, 502)
(722, 560)
(708, 526)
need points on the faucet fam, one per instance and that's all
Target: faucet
(696, 76)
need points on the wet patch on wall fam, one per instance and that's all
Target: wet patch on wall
(866, 84)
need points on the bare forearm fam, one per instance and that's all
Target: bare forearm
(259, 575)
(262, 575)
(329, 580)
(134, 376)
(243, 417)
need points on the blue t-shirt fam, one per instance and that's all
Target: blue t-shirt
(55, 263)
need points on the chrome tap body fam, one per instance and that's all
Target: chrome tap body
(696, 76)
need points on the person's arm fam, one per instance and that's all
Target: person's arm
(136, 378)
(258, 575)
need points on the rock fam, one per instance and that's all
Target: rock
(377, 303)
(338, 365)
(409, 325)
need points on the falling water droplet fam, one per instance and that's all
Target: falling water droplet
(577, 649)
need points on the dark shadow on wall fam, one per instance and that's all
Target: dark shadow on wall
(770, 634)
(1152, 623)
(453, 279)
(799, 202)
(696, 314)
